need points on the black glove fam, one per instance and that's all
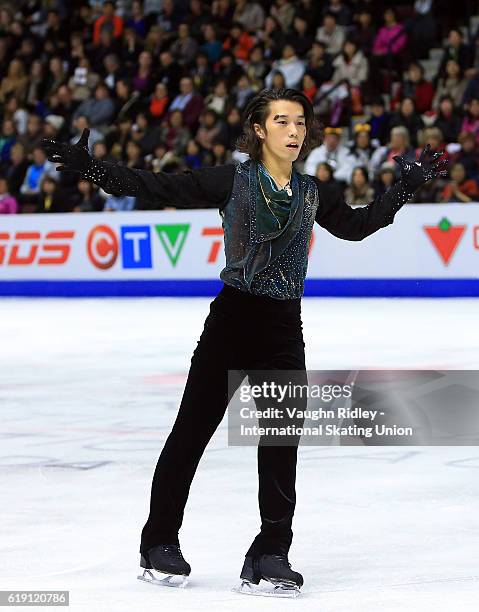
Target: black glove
(74, 158)
(415, 173)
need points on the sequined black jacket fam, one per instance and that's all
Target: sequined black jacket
(271, 264)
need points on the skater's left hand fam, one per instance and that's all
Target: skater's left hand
(425, 168)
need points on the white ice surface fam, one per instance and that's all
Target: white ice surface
(88, 392)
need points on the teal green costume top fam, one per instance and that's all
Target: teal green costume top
(279, 205)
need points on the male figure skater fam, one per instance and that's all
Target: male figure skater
(268, 210)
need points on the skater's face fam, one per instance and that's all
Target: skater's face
(285, 125)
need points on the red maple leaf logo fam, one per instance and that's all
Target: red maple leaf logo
(445, 237)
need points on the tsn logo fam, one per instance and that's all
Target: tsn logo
(26, 248)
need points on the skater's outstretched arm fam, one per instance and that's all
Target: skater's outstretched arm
(207, 187)
(335, 215)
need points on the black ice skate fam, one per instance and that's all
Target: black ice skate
(164, 565)
(276, 570)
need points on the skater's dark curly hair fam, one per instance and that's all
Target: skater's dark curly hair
(257, 111)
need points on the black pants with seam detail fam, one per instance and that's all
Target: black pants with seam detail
(242, 332)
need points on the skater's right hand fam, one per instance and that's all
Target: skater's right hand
(73, 158)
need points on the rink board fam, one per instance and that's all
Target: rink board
(430, 250)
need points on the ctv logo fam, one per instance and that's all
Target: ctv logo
(445, 237)
(27, 248)
(134, 243)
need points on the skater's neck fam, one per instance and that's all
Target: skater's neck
(279, 169)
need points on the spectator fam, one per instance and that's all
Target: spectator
(193, 157)
(278, 80)
(169, 18)
(234, 128)
(212, 46)
(408, 117)
(391, 38)
(31, 187)
(363, 32)
(351, 66)
(228, 69)
(117, 203)
(8, 136)
(386, 178)
(90, 200)
(52, 199)
(144, 134)
(8, 204)
(399, 144)
(309, 86)
(456, 49)
(243, 92)
(339, 10)
(79, 124)
(169, 72)
(320, 65)
(239, 42)
(416, 87)
(359, 192)
(256, 69)
(15, 82)
(33, 135)
(144, 78)
(332, 152)
(324, 172)
(379, 121)
(127, 103)
(98, 110)
(137, 20)
(134, 158)
(447, 120)
(451, 84)
(112, 71)
(188, 102)
(131, 47)
(174, 133)
(108, 22)
(470, 122)
(56, 77)
(36, 89)
(250, 14)
(184, 47)
(459, 188)
(83, 81)
(159, 101)
(290, 66)
(272, 38)
(62, 103)
(13, 110)
(211, 128)
(202, 74)
(196, 18)
(283, 10)
(331, 34)
(300, 37)
(222, 12)
(361, 151)
(467, 155)
(16, 168)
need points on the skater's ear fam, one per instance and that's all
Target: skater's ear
(259, 131)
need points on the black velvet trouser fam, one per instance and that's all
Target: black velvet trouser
(242, 332)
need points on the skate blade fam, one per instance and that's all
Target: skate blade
(267, 589)
(178, 581)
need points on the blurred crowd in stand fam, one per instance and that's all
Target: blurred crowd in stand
(162, 84)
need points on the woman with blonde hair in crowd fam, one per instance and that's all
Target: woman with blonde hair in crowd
(16, 81)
